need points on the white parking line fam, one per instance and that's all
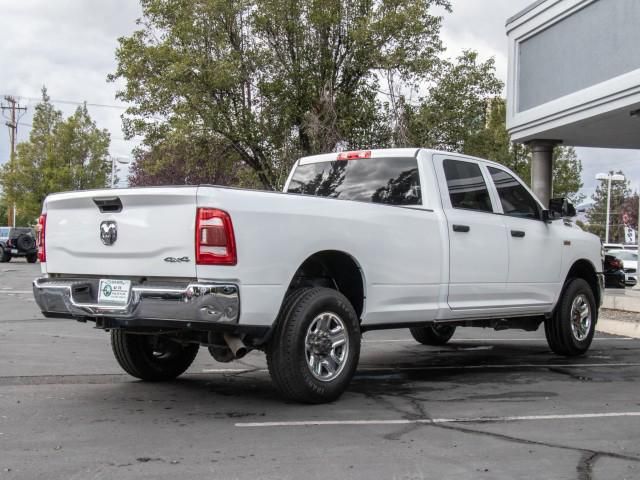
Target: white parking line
(448, 367)
(427, 421)
(16, 291)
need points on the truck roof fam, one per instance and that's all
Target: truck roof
(389, 153)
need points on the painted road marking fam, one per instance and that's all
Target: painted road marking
(447, 367)
(16, 291)
(433, 421)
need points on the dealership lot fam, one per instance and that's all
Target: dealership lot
(488, 405)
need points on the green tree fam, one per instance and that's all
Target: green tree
(60, 155)
(454, 112)
(597, 215)
(273, 79)
(184, 159)
(567, 174)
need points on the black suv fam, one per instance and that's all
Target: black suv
(18, 242)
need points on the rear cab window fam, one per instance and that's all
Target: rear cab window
(389, 181)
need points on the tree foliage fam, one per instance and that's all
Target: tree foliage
(60, 155)
(273, 79)
(454, 112)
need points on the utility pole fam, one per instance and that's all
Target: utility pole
(16, 111)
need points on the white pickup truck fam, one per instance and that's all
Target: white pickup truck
(358, 241)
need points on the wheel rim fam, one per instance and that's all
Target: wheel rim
(162, 350)
(326, 346)
(443, 330)
(580, 317)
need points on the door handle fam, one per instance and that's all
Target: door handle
(461, 228)
(517, 233)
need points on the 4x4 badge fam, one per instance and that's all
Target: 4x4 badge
(108, 232)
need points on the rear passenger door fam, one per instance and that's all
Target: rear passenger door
(535, 246)
(478, 259)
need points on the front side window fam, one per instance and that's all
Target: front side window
(391, 181)
(515, 199)
(467, 188)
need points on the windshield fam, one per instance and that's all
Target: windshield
(392, 181)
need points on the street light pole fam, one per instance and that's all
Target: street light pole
(114, 168)
(609, 177)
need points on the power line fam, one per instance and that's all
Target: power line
(73, 102)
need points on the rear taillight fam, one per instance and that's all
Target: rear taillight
(42, 226)
(354, 155)
(215, 243)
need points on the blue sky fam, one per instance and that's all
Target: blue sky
(68, 45)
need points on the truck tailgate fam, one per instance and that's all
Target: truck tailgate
(155, 230)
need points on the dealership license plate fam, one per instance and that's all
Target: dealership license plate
(114, 291)
(14, 250)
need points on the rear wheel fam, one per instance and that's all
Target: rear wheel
(433, 334)
(316, 346)
(570, 330)
(33, 258)
(151, 357)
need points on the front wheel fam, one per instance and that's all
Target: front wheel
(316, 346)
(5, 256)
(570, 329)
(152, 358)
(433, 334)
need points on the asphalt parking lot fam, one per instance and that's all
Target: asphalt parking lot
(490, 405)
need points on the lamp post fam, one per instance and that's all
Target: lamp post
(114, 168)
(609, 177)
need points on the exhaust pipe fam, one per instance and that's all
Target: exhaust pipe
(236, 346)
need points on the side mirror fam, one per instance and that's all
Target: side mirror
(561, 208)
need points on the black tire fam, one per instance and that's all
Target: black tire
(562, 338)
(25, 242)
(288, 352)
(433, 334)
(5, 256)
(32, 258)
(151, 358)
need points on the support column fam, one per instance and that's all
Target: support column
(542, 168)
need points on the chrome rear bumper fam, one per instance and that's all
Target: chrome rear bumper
(172, 301)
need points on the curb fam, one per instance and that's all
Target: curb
(621, 302)
(618, 327)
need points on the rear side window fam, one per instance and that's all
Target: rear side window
(467, 188)
(391, 181)
(515, 199)
(4, 232)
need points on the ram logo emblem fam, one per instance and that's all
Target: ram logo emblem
(108, 232)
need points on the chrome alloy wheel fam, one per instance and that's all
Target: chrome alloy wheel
(326, 346)
(580, 317)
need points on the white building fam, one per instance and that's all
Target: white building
(574, 78)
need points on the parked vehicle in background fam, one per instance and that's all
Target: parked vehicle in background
(612, 246)
(614, 276)
(629, 264)
(358, 241)
(633, 248)
(18, 242)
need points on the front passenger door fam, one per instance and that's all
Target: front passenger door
(535, 247)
